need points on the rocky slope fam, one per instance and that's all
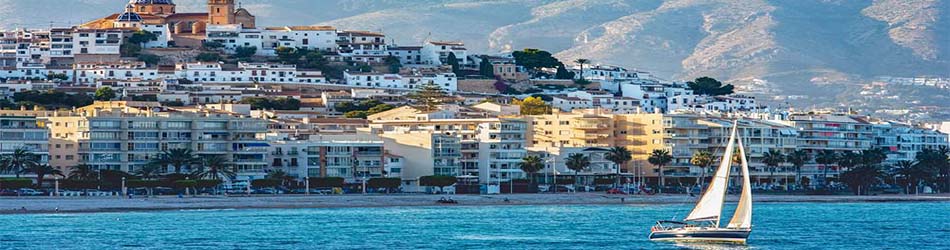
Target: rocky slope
(791, 44)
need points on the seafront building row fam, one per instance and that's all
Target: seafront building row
(407, 143)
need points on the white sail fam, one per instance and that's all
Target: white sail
(743, 216)
(709, 206)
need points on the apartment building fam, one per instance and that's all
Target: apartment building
(901, 142)
(403, 81)
(354, 157)
(489, 149)
(19, 130)
(124, 136)
(437, 52)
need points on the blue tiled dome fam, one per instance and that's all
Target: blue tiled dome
(129, 16)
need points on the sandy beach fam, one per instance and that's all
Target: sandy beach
(16, 205)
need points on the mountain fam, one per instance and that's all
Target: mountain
(794, 46)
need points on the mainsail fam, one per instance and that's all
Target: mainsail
(743, 216)
(709, 206)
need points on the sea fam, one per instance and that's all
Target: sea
(897, 225)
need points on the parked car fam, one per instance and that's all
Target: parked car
(8, 192)
(29, 192)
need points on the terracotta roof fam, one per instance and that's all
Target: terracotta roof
(363, 33)
(312, 28)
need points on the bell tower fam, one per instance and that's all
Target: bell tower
(221, 12)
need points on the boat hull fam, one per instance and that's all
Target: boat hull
(702, 235)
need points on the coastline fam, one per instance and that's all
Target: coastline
(49, 205)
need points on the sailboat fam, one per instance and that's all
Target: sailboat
(702, 223)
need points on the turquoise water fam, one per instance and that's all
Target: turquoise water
(776, 226)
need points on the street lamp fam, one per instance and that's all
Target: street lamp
(125, 192)
(56, 186)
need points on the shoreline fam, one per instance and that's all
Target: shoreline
(67, 205)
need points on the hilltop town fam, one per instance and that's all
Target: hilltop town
(149, 97)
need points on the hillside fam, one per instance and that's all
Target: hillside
(793, 45)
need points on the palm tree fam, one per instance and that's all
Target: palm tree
(936, 160)
(42, 170)
(20, 159)
(531, 165)
(798, 158)
(619, 156)
(82, 172)
(872, 156)
(772, 160)
(279, 174)
(910, 170)
(149, 171)
(860, 178)
(848, 160)
(177, 158)
(702, 159)
(214, 167)
(660, 158)
(825, 158)
(577, 163)
(582, 61)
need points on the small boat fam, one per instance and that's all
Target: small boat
(702, 223)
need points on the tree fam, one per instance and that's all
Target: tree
(326, 182)
(280, 103)
(798, 158)
(912, 172)
(454, 62)
(245, 52)
(577, 163)
(148, 171)
(214, 167)
(563, 73)
(440, 181)
(660, 158)
(533, 106)
(872, 156)
(312, 60)
(485, 68)
(531, 164)
(619, 156)
(429, 97)
(281, 176)
(141, 36)
(42, 170)
(862, 177)
(848, 160)
(356, 114)
(387, 183)
(825, 158)
(82, 172)
(772, 160)
(177, 158)
(709, 86)
(129, 50)
(208, 57)
(393, 63)
(212, 45)
(581, 62)
(149, 59)
(535, 59)
(287, 55)
(935, 161)
(702, 159)
(105, 94)
(19, 160)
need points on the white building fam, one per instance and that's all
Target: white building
(436, 52)
(407, 81)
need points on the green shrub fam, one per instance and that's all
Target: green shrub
(143, 183)
(437, 181)
(208, 183)
(326, 181)
(14, 183)
(388, 183)
(265, 183)
(185, 184)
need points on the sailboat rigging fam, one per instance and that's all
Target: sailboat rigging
(703, 222)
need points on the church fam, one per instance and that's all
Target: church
(185, 28)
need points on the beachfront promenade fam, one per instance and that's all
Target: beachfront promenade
(14, 205)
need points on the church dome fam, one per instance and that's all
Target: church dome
(129, 16)
(151, 2)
